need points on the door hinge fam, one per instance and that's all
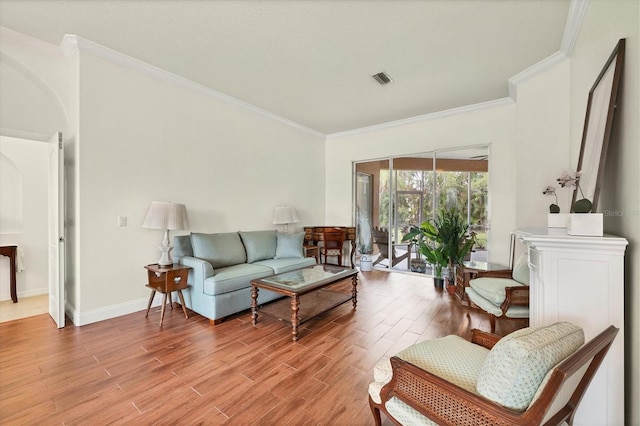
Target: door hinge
(61, 239)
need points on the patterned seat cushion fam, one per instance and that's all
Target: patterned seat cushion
(517, 364)
(451, 358)
(493, 289)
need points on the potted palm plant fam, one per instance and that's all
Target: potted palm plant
(453, 232)
(425, 238)
(444, 242)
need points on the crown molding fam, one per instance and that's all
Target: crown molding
(575, 16)
(533, 71)
(7, 35)
(72, 43)
(425, 117)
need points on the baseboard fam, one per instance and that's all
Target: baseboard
(28, 293)
(108, 312)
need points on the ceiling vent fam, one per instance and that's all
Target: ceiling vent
(382, 78)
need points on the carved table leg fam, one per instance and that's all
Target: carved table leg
(254, 304)
(295, 321)
(354, 291)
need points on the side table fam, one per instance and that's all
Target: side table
(167, 279)
(470, 270)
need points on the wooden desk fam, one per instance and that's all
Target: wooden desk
(11, 252)
(314, 234)
(167, 280)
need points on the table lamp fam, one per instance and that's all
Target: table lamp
(170, 217)
(284, 215)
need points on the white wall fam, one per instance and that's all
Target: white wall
(542, 141)
(31, 161)
(134, 134)
(603, 25)
(142, 137)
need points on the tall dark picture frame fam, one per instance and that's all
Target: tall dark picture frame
(597, 127)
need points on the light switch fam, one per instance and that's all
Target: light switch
(122, 221)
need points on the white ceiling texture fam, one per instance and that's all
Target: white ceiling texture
(311, 61)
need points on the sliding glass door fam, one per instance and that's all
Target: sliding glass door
(411, 189)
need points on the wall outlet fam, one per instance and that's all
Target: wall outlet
(122, 221)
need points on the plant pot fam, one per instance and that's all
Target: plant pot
(586, 224)
(438, 282)
(557, 220)
(418, 265)
(365, 263)
(451, 289)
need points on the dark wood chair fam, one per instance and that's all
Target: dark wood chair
(381, 238)
(333, 244)
(445, 403)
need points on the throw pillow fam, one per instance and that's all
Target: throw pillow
(517, 364)
(521, 270)
(259, 245)
(289, 245)
(219, 249)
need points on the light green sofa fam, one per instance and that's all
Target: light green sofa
(223, 265)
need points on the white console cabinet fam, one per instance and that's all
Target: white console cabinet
(581, 280)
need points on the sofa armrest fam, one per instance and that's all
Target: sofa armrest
(200, 271)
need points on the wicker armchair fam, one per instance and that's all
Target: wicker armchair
(469, 393)
(501, 296)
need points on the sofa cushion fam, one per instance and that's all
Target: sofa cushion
(290, 245)
(220, 250)
(493, 289)
(182, 246)
(521, 270)
(285, 265)
(235, 277)
(517, 364)
(259, 245)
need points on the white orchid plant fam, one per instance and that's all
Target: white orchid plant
(569, 180)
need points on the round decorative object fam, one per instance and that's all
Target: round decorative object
(582, 206)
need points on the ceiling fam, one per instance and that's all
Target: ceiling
(311, 61)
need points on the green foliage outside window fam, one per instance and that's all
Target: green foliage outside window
(451, 191)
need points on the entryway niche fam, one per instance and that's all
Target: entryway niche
(397, 192)
(24, 220)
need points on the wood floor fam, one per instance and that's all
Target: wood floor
(26, 307)
(129, 371)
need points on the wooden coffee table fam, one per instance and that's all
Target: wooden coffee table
(310, 282)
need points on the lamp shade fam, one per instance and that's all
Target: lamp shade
(284, 215)
(166, 215)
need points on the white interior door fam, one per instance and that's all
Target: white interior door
(56, 230)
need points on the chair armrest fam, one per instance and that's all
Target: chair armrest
(504, 273)
(442, 401)
(484, 339)
(515, 296)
